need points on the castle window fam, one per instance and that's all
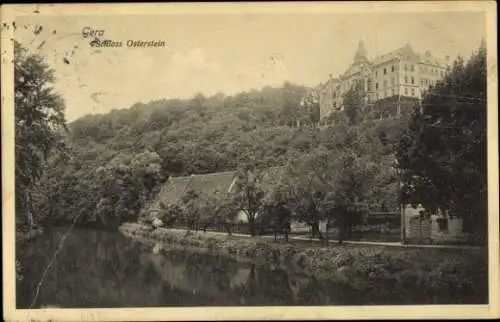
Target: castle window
(406, 79)
(442, 74)
(385, 71)
(421, 81)
(413, 80)
(376, 85)
(406, 91)
(412, 92)
(392, 68)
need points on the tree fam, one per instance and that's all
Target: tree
(350, 190)
(191, 209)
(291, 99)
(304, 192)
(277, 214)
(341, 183)
(354, 103)
(312, 107)
(225, 214)
(170, 214)
(39, 125)
(442, 155)
(250, 194)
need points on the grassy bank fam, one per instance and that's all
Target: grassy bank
(429, 276)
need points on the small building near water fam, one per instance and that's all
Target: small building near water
(430, 228)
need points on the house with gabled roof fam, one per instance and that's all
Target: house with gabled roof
(217, 185)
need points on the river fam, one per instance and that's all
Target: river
(102, 269)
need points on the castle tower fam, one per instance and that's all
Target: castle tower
(360, 56)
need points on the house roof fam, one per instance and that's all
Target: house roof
(172, 191)
(427, 58)
(405, 51)
(210, 185)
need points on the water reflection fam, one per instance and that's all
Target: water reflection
(102, 269)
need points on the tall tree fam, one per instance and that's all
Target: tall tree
(311, 106)
(39, 124)
(354, 103)
(442, 155)
(250, 195)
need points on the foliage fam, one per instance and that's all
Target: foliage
(250, 195)
(170, 214)
(305, 193)
(442, 154)
(108, 194)
(39, 125)
(354, 103)
(341, 182)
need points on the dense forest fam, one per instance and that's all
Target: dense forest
(107, 167)
(113, 163)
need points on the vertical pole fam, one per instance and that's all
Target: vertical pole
(403, 224)
(399, 87)
(399, 103)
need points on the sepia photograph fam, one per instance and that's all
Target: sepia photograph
(264, 157)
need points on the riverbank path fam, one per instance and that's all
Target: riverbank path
(350, 242)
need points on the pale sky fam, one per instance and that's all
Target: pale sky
(227, 53)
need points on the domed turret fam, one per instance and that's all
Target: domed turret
(360, 56)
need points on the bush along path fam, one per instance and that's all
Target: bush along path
(410, 275)
(333, 242)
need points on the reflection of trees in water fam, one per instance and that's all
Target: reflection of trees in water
(94, 269)
(102, 269)
(218, 270)
(265, 287)
(311, 292)
(200, 278)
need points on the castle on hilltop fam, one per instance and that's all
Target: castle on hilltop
(400, 73)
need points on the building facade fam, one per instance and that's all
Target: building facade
(401, 73)
(432, 229)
